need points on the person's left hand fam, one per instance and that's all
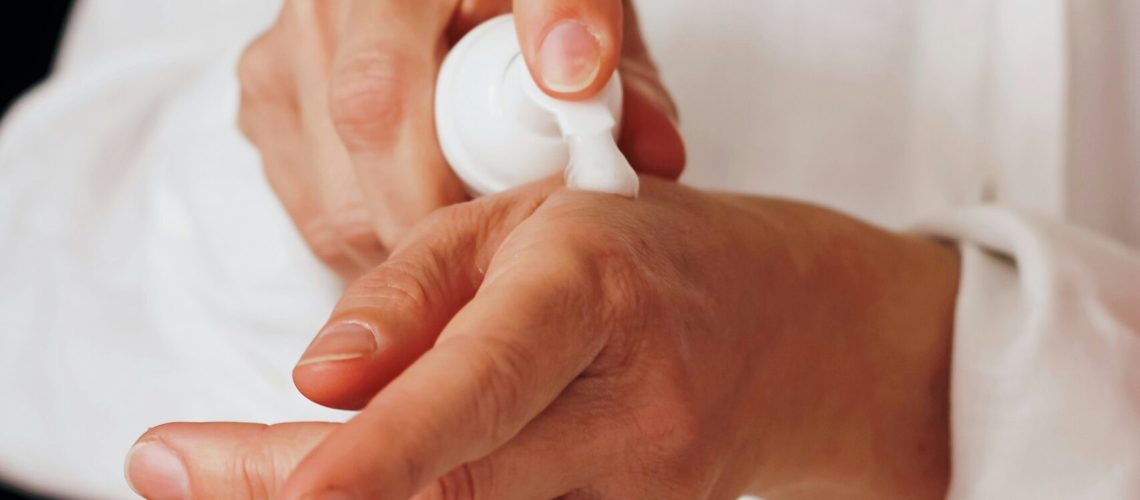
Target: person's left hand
(547, 343)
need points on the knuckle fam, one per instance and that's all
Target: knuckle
(619, 264)
(353, 229)
(257, 73)
(666, 421)
(265, 87)
(321, 239)
(466, 482)
(247, 124)
(500, 366)
(624, 285)
(365, 101)
(256, 471)
(403, 283)
(452, 222)
(279, 180)
(450, 218)
(326, 250)
(606, 270)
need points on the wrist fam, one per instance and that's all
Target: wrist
(852, 385)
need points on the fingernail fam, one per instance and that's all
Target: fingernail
(156, 473)
(570, 57)
(340, 342)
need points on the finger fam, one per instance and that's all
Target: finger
(571, 46)
(274, 115)
(380, 100)
(341, 237)
(268, 94)
(650, 136)
(341, 232)
(391, 316)
(219, 460)
(273, 128)
(559, 452)
(501, 360)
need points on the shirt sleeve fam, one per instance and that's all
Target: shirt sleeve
(1045, 383)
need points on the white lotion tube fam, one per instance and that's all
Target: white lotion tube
(498, 129)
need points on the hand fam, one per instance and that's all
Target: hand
(337, 97)
(682, 345)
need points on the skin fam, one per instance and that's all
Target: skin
(337, 96)
(549, 343)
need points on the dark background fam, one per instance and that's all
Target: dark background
(29, 34)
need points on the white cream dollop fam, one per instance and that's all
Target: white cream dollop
(589, 128)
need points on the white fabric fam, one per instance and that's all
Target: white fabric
(1046, 360)
(147, 274)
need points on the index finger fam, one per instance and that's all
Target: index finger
(499, 363)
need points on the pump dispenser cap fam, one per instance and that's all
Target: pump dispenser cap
(498, 130)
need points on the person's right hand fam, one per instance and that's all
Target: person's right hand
(338, 98)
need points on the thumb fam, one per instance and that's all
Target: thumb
(219, 460)
(570, 46)
(392, 315)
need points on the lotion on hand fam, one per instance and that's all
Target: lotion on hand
(498, 129)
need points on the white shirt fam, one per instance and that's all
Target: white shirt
(147, 273)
